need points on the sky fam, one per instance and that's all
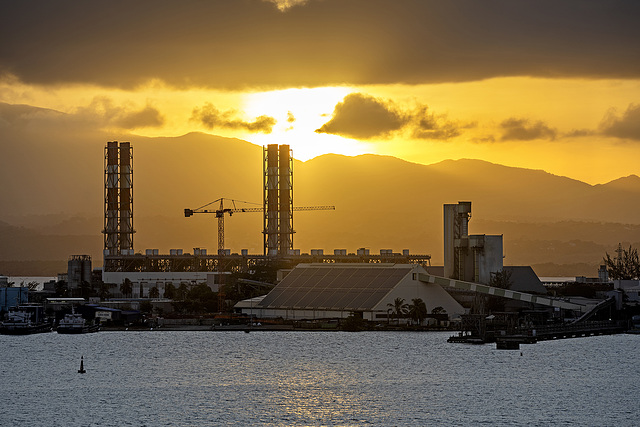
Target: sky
(551, 85)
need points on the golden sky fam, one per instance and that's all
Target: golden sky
(537, 84)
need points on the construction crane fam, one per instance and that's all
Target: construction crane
(220, 215)
(221, 211)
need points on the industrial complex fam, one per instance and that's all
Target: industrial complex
(319, 285)
(152, 269)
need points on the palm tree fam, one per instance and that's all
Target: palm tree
(126, 287)
(154, 292)
(169, 291)
(418, 310)
(399, 308)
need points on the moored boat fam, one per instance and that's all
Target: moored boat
(24, 320)
(76, 324)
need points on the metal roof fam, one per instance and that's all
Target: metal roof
(352, 287)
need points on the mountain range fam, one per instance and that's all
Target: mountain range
(53, 204)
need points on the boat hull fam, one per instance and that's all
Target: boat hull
(25, 330)
(77, 330)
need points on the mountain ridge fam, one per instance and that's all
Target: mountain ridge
(381, 201)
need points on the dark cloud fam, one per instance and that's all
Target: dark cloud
(103, 112)
(626, 126)
(239, 44)
(363, 116)
(211, 117)
(147, 117)
(100, 113)
(431, 126)
(525, 130)
(579, 133)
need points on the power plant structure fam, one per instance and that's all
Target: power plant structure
(118, 189)
(469, 257)
(152, 269)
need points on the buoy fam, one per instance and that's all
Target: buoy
(81, 370)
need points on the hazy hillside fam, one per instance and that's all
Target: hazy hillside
(55, 206)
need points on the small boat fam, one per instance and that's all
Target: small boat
(76, 324)
(25, 320)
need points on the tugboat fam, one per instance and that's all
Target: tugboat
(24, 320)
(76, 324)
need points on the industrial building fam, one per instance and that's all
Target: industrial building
(153, 269)
(11, 296)
(319, 291)
(467, 257)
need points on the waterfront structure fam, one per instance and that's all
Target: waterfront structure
(315, 291)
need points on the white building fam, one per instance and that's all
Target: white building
(143, 281)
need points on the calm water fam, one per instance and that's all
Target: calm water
(314, 378)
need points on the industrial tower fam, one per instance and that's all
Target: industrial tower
(278, 200)
(472, 258)
(118, 189)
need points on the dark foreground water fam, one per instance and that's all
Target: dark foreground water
(314, 378)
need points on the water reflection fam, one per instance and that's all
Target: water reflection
(322, 378)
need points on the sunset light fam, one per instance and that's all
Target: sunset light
(377, 183)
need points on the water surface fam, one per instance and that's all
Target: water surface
(314, 378)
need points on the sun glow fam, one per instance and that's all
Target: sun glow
(299, 112)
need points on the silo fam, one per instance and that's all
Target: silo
(78, 271)
(86, 268)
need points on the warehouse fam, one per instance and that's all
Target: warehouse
(315, 291)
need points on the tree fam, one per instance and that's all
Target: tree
(169, 291)
(31, 285)
(182, 291)
(398, 308)
(126, 287)
(438, 310)
(418, 310)
(625, 266)
(154, 292)
(61, 288)
(146, 307)
(501, 279)
(104, 290)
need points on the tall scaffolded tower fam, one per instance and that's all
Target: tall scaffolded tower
(278, 200)
(118, 187)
